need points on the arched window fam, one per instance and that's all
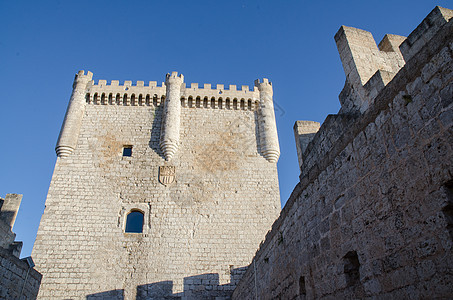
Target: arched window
(134, 222)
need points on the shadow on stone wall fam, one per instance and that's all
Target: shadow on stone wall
(155, 131)
(114, 294)
(203, 286)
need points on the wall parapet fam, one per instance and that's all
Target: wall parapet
(187, 90)
(369, 68)
(18, 278)
(192, 95)
(149, 99)
(334, 131)
(337, 131)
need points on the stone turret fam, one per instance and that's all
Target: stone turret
(172, 115)
(268, 128)
(67, 141)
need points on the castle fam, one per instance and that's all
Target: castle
(158, 191)
(165, 192)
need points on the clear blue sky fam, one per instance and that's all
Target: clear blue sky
(44, 43)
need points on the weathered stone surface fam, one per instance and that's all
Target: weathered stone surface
(18, 279)
(372, 216)
(200, 227)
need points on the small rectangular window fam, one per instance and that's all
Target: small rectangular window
(127, 151)
(302, 290)
(448, 207)
(352, 268)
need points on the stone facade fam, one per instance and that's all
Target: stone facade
(18, 279)
(372, 216)
(202, 172)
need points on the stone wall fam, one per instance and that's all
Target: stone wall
(372, 214)
(18, 279)
(199, 231)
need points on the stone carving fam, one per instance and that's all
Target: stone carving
(167, 174)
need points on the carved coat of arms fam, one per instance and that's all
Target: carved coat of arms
(166, 174)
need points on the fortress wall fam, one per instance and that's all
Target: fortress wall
(199, 230)
(18, 279)
(372, 214)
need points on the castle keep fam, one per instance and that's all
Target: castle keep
(158, 191)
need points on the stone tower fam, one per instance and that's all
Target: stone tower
(191, 169)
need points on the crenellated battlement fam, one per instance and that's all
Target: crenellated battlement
(220, 97)
(370, 67)
(222, 101)
(367, 66)
(172, 97)
(264, 86)
(81, 74)
(127, 83)
(192, 94)
(206, 87)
